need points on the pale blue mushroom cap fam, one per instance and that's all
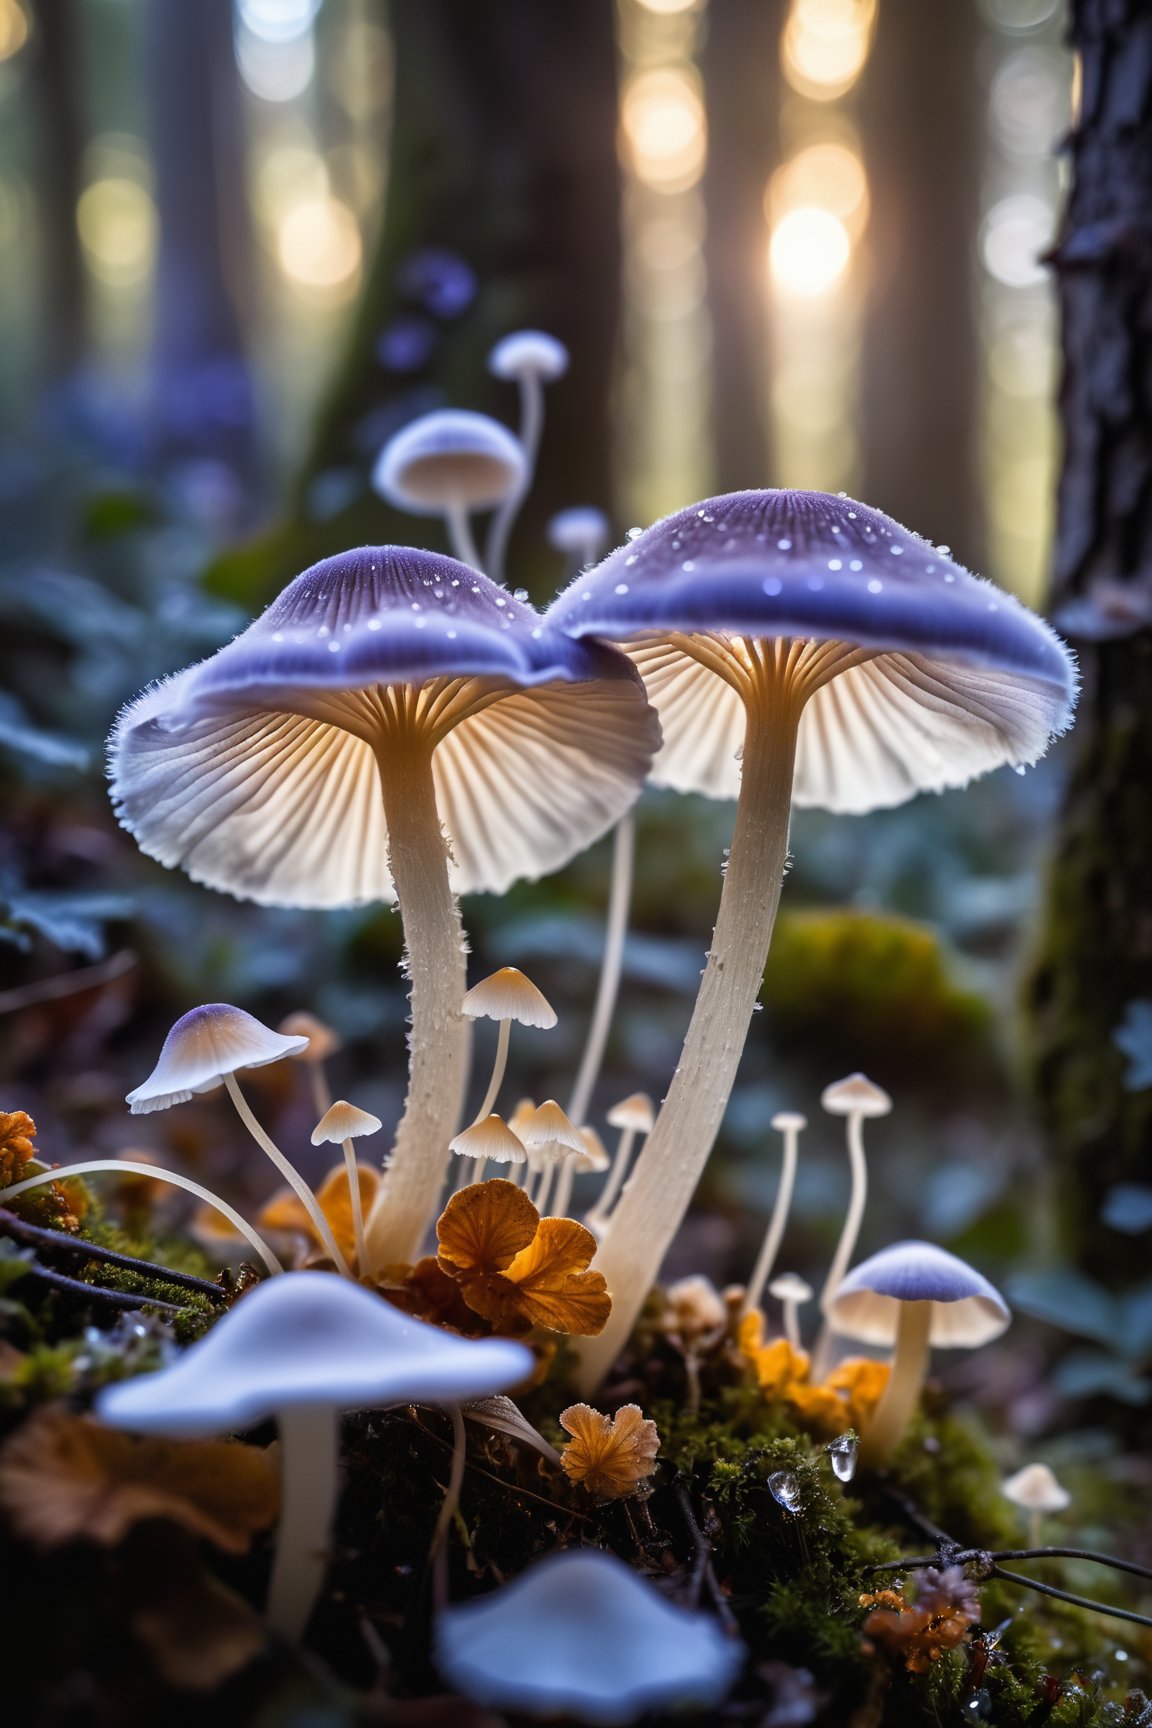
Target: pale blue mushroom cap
(963, 678)
(966, 1309)
(204, 1045)
(310, 1339)
(451, 457)
(258, 771)
(580, 1634)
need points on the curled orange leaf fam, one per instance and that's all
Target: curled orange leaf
(518, 1270)
(609, 1458)
(484, 1227)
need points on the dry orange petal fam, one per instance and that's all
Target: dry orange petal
(285, 1211)
(484, 1227)
(862, 1381)
(64, 1478)
(609, 1458)
(548, 1284)
(817, 1408)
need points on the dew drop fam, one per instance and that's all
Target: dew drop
(1019, 768)
(520, 594)
(375, 624)
(631, 559)
(835, 564)
(415, 605)
(688, 565)
(842, 1455)
(851, 515)
(875, 587)
(500, 600)
(896, 551)
(836, 529)
(784, 545)
(451, 635)
(856, 564)
(944, 551)
(620, 588)
(772, 585)
(948, 576)
(784, 1487)
(634, 533)
(323, 630)
(277, 635)
(333, 647)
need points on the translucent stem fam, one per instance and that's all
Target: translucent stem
(438, 1041)
(460, 538)
(616, 1175)
(850, 1232)
(357, 1208)
(531, 426)
(792, 1322)
(670, 1165)
(321, 1091)
(290, 1174)
(90, 1166)
(900, 1396)
(775, 1232)
(498, 1068)
(309, 1485)
(619, 899)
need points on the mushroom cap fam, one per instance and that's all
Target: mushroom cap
(203, 1046)
(855, 1095)
(309, 1338)
(323, 1040)
(578, 529)
(964, 678)
(636, 1112)
(580, 1634)
(550, 1136)
(509, 995)
(966, 1308)
(790, 1287)
(343, 1121)
(1036, 1489)
(256, 772)
(596, 1152)
(450, 457)
(785, 1120)
(528, 354)
(492, 1139)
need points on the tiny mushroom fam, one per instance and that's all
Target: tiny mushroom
(1037, 1491)
(633, 1116)
(301, 1349)
(791, 1290)
(202, 1051)
(551, 1140)
(913, 1296)
(530, 359)
(857, 1099)
(791, 1125)
(579, 1634)
(490, 1137)
(505, 996)
(450, 463)
(798, 648)
(339, 1126)
(394, 726)
(580, 533)
(323, 1041)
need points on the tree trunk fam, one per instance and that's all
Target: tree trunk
(1095, 954)
(742, 91)
(922, 128)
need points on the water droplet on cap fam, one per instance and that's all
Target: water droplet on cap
(634, 533)
(620, 588)
(772, 585)
(784, 545)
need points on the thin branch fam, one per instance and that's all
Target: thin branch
(1076, 1601)
(67, 983)
(119, 1299)
(58, 1242)
(964, 1556)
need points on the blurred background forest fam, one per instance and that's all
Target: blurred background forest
(788, 242)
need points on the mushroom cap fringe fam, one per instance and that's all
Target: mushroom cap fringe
(256, 771)
(966, 1309)
(964, 678)
(580, 1634)
(203, 1046)
(310, 1338)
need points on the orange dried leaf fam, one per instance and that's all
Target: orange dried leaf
(64, 1478)
(861, 1380)
(609, 1458)
(548, 1284)
(285, 1211)
(484, 1227)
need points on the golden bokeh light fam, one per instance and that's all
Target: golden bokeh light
(13, 28)
(670, 5)
(825, 44)
(318, 246)
(808, 252)
(662, 117)
(824, 176)
(116, 219)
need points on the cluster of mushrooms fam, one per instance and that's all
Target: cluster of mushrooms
(399, 726)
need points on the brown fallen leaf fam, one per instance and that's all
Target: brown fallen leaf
(518, 1270)
(610, 1457)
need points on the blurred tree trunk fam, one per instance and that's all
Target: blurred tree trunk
(741, 66)
(921, 121)
(1096, 945)
(54, 84)
(503, 155)
(201, 393)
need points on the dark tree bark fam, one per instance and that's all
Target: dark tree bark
(55, 87)
(1096, 946)
(921, 124)
(201, 392)
(742, 89)
(503, 154)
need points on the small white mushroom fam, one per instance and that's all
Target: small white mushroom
(579, 1634)
(450, 463)
(530, 359)
(339, 1126)
(791, 1126)
(791, 1290)
(856, 1099)
(489, 1138)
(581, 533)
(633, 1116)
(1037, 1491)
(505, 996)
(550, 1138)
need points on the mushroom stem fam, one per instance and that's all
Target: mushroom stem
(321, 1091)
(792, 1322)
(459, 525)
(309, 1484)
(619, 897)
(845, 1247)
(498, 1067)
(438, 1040)
(673, 1158)
(89, 1166)
(773, 1237)
(616, 1176)
(909, 1368)
(357, 1208)
(290, 1174)
(1035, 1527)
(531, 426)
(540, 1198)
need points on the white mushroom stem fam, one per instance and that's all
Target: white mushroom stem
(321, 1091)
(792, 1322)
(900, 1396)
(858, 1166)
(774, 1235)
(459, 525)
(438, 1040)
(498, 1067)
(357, 1209)
(90, 1166)
(619, 898)
(600, 1212)
(309, 1488)
(531, 426)
(669, 1167)
(290, 1174)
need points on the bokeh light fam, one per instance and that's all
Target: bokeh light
(116, 219)
(13, 28)
(663, 123)
(670, 5)
(1016, 232)
(1030, 105)
(808, 252)
(827, 176)
(825, 44)
(275, 71)
(278, 20)
(318, 246)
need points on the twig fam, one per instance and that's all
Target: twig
(703, 1571)
(95, 1292)
(67, 983)
(57, 1241)
(963, 1556)
(1076, 1601)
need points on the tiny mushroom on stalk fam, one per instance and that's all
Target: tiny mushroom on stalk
(580, 533)
(579, 1634)
(551, 1140)
(323, 1042)
(857, 1099)
(505, 996)
(301, 1349)
(339, 1126)
(394, 726)
(490, 1137)
(798, 648)
(202, 1051)
(913, 1296)
(791, 1125)
(450, 463)
(1036, 1490)
(530, 359)
(633, 1116)
(791, 1290)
